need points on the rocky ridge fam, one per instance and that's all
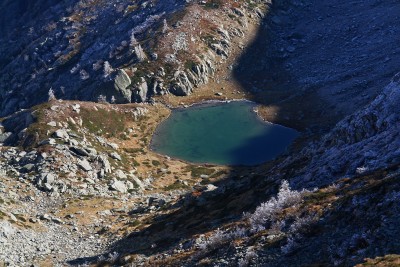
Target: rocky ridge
(190, 40)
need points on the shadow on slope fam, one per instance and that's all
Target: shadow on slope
(262, 70)
(241, 190)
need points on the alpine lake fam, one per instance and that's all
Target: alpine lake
(224, 133)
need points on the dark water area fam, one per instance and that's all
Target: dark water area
(221, 133)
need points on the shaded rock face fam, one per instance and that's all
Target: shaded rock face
(185, 81)
(365, 141)
(140, 91)
(117, 89)
(15, 125)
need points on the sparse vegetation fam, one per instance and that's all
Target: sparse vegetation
(196, 171)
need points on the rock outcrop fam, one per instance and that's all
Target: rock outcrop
(365, 141)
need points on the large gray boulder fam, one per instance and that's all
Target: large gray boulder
(182, 85)
(140, 91)
(116, 89)
(118, 186)
(4, 136)
(121, 84)
(84, 165)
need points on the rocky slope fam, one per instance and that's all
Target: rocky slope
(124, 51)
(80, 186)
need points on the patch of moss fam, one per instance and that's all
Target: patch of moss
(104, 122)
(175, 186)
(190, 64)
(155, 163)
(134, 223)
(213, 4)
(218, 174)
(196, 171)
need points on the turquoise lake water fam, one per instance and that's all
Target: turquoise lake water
(221, 133)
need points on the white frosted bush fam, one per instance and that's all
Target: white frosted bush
(107, 69)
(269, 211)
(51, 94)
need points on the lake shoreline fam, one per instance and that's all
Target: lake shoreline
(239, 121)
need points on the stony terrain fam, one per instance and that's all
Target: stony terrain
(153, 48)
(83, 88)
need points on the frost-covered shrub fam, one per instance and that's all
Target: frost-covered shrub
(214, 241)
(102, 99)
(97, 65)
(165, 26)
(75, 69)
(84, 75)
(301, 223)
(107, 69)
(150, 20)
(290, 246)
(219, 237)
(51, 94)
(113, 256)
(133, 42)
(268, 212)
(249, 259)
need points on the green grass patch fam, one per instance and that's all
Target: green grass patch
(196, 171)
(134, 223)
(131, 150)
(218, 174)
(176, 186)
(104, 122)
(155, 163)
(213, 4)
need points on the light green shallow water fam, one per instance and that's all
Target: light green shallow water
(222, 133)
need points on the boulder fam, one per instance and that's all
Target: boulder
(113, 146)
(120, 174)
(84, 165)
(61, 134)
(28, 167)
(4, 136)
(46, 178)
(138, 182)
(210, 187)
(79, 151)
(6, 229)
(76, 108)
(52, 124)
(49, 141)
(140, 91)
(115, 155)
(129, 185)
(118, 186)
(106, 164)
(121, 84)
